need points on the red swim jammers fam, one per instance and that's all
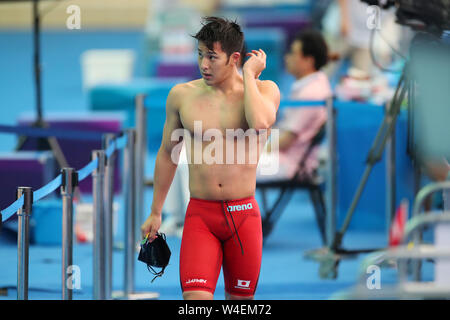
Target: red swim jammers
(210, 240)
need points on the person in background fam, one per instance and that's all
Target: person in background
(353, 28)
(352, 39)
(298, 125)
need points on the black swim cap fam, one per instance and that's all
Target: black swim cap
(155, 254)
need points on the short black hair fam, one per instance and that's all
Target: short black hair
(227, 33)
(314, 45)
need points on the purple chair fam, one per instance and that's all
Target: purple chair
(171, 70)
(78, 153)
(24, 169)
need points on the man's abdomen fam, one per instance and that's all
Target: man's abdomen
(222, 182)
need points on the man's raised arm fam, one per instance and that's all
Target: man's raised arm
(261, 100)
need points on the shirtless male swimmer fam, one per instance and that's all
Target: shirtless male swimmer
(223, 223)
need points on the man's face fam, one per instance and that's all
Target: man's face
(214, 64)
(296, 63)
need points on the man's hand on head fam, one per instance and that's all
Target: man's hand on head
(256, 63)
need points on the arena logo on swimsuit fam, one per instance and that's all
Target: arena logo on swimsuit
(242, 207)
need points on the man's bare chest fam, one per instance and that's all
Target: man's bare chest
(220, 114)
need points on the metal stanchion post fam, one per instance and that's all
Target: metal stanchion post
(141, 151)
(23, 241)
(129, 195)
(109, 200)
(99, 225)
(129, 189)
(69, 182)
(331, 174)
(390, 178)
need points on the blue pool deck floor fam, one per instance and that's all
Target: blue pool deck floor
(285, 273)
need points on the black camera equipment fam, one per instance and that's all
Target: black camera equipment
(424, 82)
(432, 16)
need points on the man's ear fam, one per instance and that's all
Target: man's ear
(235, 58)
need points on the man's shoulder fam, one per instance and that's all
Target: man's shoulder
(181, 91)
(267, 84)
(269, 88)
(186, 87)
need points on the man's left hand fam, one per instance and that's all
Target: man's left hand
(256, 63)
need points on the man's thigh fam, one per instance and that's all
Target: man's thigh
(241, 271)
(200, 257)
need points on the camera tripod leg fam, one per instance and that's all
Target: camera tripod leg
(374, 156)
(329, 257)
